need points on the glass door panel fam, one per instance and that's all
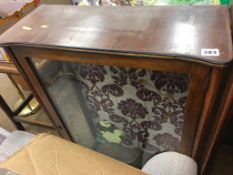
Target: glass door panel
(126, 113)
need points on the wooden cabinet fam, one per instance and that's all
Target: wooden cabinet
(223, 118)
(221, 122)
(126, 82)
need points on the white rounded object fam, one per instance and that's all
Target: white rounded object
(170, 163)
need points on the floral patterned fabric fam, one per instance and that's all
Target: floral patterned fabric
(126, 113)
(144, 108)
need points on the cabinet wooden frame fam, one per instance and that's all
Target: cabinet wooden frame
(204, 81)
(220, 123)
(223, 116)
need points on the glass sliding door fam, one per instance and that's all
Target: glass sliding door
(126, 113)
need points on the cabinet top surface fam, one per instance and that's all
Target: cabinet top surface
(162, 30)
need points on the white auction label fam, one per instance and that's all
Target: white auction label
(210, 52)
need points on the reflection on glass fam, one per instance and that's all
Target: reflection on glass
(126, 113)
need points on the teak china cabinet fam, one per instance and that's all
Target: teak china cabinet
(126, 82)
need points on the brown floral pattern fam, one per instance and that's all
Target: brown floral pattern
(170, 82)
(147, 106)
(93, 73)
(131, 108)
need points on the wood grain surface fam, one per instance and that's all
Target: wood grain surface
(161, 30)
